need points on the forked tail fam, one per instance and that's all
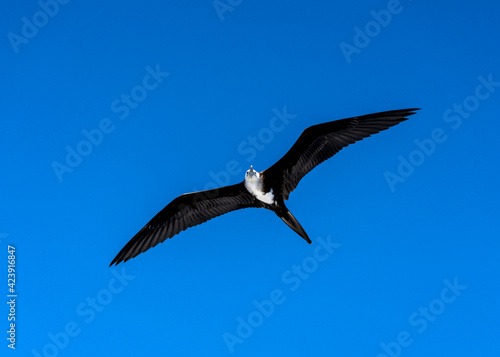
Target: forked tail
(292, 222)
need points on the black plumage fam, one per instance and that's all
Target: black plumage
(186, 211)
(315, 145)
(320, 142)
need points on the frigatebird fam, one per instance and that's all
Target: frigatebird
(266, 189)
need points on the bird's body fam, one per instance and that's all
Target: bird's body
(266, 189)
(255, 186)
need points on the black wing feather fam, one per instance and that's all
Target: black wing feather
(186, 211)
(320, 142)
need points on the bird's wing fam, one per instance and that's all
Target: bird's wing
(186, 211)
(320, 142)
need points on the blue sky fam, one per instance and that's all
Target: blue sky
(110, 110)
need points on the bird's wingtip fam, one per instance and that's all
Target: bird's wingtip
(412, 111)
(115, 262)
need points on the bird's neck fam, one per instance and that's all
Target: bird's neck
(254, 185)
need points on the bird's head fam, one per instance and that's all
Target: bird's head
(251, 173)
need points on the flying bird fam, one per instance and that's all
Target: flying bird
(266, 189)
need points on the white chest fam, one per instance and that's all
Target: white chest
(254, 186)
